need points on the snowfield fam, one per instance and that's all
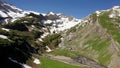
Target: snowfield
(61, 24)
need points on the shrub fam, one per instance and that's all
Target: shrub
(72, 29)
(36, 34)
(17, 26)
(52, 40)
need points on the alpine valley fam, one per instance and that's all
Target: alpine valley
(30, 39)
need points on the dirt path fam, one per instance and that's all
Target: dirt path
(64, 59)
(81, 61)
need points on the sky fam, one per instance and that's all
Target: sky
(75, 8)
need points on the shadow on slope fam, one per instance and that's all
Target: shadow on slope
(19, 53)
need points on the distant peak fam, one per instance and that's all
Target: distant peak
(51, 13)
(115, 7)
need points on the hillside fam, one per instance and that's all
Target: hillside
(98, 40)
(30, 39)
(26, 35)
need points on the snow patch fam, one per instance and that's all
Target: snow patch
(115, 7)
(60, 24)
(32, 26)
(63, 24)
(44, 35)
(115, 12)
(5, 29)
(98, 13)
(47, 21)
(43, 14)
(36, 61)
(15, 15)
(3, 37)
(40, 39)
(26, 66)
(51, 13)
(2, 14)
(111, 15)
(48, 49)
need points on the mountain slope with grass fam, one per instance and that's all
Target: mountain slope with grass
(97, 40)
(35, 40)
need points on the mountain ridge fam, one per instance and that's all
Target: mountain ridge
(98, 39)
(55, 19)
(25, 33)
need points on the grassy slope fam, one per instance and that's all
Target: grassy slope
(91, 41)
(100, 46)
(113, 28)
(111, 25)
(65, 53)
(49, 63)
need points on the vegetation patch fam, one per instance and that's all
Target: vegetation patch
(52, 40)
(71, 30)
(97, 44)
(110, 25)
(65, 52)
(17, 26)
(101, 47)
(104, 58)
